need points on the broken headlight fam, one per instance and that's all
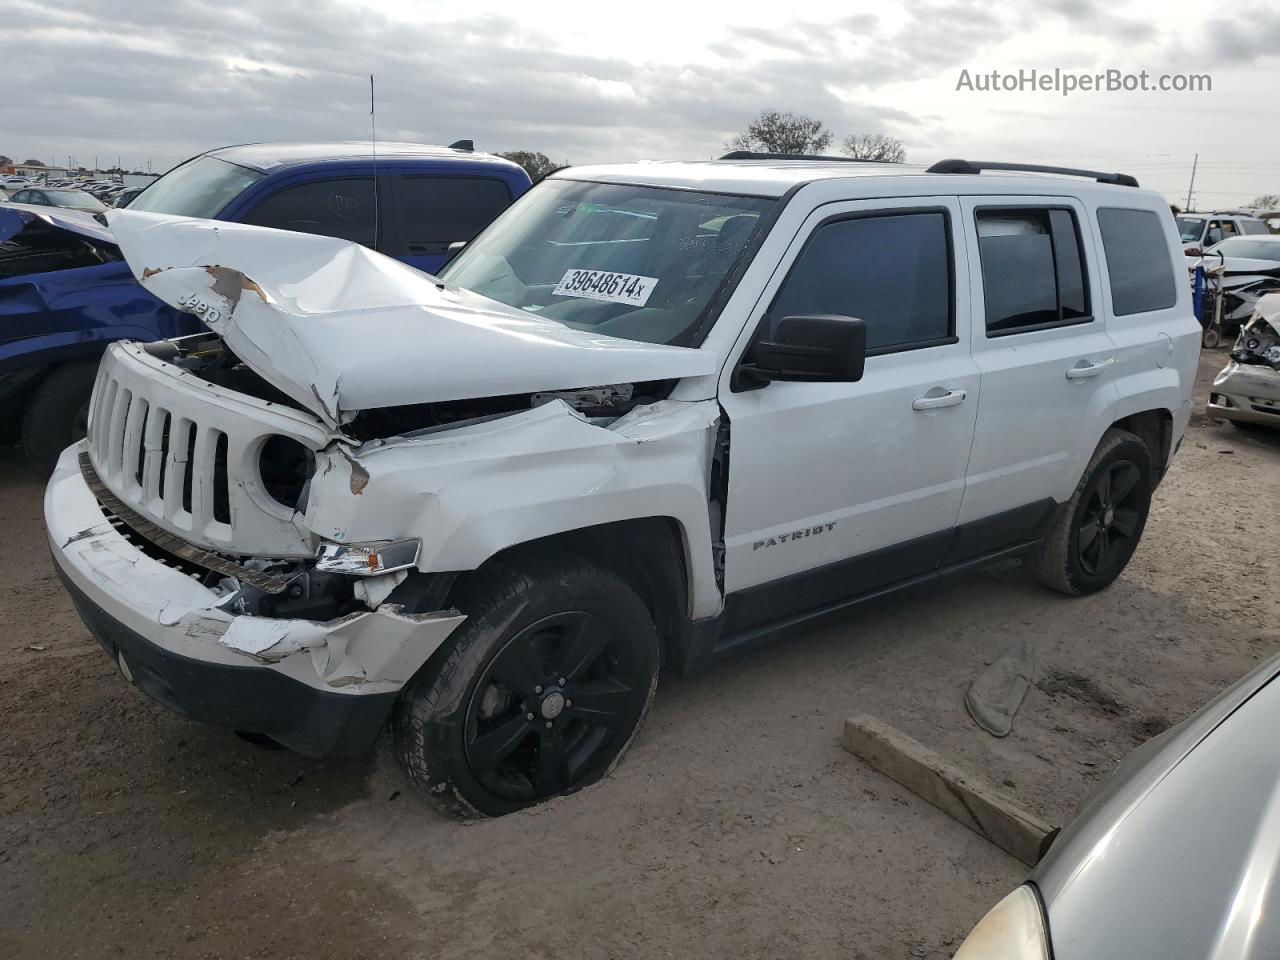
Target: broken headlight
(368, 559)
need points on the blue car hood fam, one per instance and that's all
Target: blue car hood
(15, 217)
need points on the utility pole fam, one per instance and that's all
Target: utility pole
(1191, 186)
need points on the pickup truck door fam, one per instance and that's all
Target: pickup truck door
(1048, 365)
(836, 489)
(436, 210)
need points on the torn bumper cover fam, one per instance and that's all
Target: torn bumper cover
(323, 689)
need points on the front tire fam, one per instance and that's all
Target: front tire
(1094, 534)
(538, 693)
(58, 413)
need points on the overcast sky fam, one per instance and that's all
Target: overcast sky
(159, 80)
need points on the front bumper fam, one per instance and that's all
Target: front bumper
(1249, 393)
(323, 689)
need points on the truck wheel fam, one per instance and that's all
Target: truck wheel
(58, 412)
(1094, 534)
(538, 693)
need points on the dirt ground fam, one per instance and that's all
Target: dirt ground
(736, 826)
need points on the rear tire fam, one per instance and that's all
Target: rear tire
(1093, 535)
(538, 693)
(57, 413)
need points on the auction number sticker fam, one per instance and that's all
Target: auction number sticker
(604, 285)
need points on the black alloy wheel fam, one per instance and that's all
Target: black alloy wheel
(539, 692)
(1112, 514)
(550, 703)
(1094, 533)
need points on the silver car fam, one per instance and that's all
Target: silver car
(1177, 856)
(1248, 388)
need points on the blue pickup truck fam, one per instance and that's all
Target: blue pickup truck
(65, 293)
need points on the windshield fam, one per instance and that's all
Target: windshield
(1189, 228)
(74, 199)
(640, 263)
(197, 188)
(1250, 249)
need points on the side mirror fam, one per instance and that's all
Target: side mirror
(454, 249)
(814, 349)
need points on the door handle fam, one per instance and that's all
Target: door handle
(949, 399)
(1085, 368)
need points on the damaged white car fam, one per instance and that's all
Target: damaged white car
(652, 413)
(1247, 390)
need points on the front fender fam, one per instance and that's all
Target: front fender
(476, 490)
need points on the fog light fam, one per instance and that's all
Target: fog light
(368, 559)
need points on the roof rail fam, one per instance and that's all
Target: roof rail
(977, 166)
(753, 155)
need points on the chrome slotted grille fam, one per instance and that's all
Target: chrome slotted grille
(184, 454)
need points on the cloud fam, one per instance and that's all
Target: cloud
(1250, 34)
(169, 78)
(1092, 17)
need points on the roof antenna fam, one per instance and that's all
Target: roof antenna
(373, 146)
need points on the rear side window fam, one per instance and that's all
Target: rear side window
(439, 211)
(1138, 261)
(1032, 270)
(342, 208)
(891, 271)
(1253, 227)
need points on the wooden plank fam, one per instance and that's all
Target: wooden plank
(976, 804)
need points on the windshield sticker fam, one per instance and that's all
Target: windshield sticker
(603, 285)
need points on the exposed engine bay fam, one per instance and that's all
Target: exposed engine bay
(1259, 339)
(206, 356)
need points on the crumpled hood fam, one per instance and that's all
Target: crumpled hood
(1179, 855)
(16, 217)
(1267, 310)
(340, 328)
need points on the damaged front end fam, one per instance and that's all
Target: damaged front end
(296, 492)
(1248, 388)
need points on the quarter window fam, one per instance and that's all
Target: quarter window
(342, 208)
(892, 271)
(1138, 261)
(1032, 271)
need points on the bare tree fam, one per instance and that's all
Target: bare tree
(1268, 201)
(874, 146)
(536, 164)
(783, 132)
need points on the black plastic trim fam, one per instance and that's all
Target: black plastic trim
(766, 610)
(954, 165)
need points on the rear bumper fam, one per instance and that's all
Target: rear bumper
(323, 689)
(1248, 393)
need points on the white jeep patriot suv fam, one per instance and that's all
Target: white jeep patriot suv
(654, 412)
